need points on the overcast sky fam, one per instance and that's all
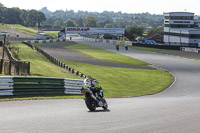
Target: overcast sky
(125, 6)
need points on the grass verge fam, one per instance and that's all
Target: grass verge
(101, 54)
(40, 65)
(116, 81)
(125, 82)
(27, 30)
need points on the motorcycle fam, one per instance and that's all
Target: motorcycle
(93, 99)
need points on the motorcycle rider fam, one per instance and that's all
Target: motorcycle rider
(94, 85)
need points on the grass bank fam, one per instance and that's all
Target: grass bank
(20, 28)
(101, 54)
(27, 30)
(40, 65)
(116, 81)
(123, 82)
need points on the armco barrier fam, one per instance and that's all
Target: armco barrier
(107, 41)
(45, 41)
(38, 86)
(188, 49)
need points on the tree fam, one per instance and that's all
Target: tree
(40, 17)
(58, 23)
(31, 18)
(69, 23)
(1, 5)
(2, 14)
(107, 22)
(157, 30)
(108, 26)
(90, 21)
(79, 22)
(135, 31)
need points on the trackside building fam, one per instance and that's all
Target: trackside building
(180, 29)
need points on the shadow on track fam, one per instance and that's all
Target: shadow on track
(99, 111)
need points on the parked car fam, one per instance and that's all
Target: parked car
(42, 36)
(150, 42)
(4, 34)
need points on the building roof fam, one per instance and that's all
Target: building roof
(178, 13)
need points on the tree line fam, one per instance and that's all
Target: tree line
(135, 24)
(29, 18)
(106, 18)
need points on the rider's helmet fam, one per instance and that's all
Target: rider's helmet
(89, 77)
(90, 80)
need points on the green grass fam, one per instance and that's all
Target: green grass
(8, 98)
(116, 82)
(27, 30)
(105, 55)
(5, 26)
(123, 82)
(145, 48)
(20, 28)
(40, 65)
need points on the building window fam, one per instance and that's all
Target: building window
(179, 25)
(195, 36)
(178, 21)
(191, 36)
(181, 17)
(166, 25)
(167, 17)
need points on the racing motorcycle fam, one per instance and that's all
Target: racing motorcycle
(93, 98)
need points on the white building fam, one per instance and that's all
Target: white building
(180, 29)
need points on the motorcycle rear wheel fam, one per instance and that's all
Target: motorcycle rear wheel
(90, 103)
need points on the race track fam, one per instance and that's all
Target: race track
(175, 110)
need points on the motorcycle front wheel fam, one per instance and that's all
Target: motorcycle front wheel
(90, 103)
(105, 105)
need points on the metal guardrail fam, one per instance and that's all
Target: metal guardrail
(188, 49)
(107, 41)
(45, 41)
(10, 85)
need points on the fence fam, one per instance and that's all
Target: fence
(7, 53)
(10, 66)
(39, 86)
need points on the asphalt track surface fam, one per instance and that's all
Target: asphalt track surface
(175, 110)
